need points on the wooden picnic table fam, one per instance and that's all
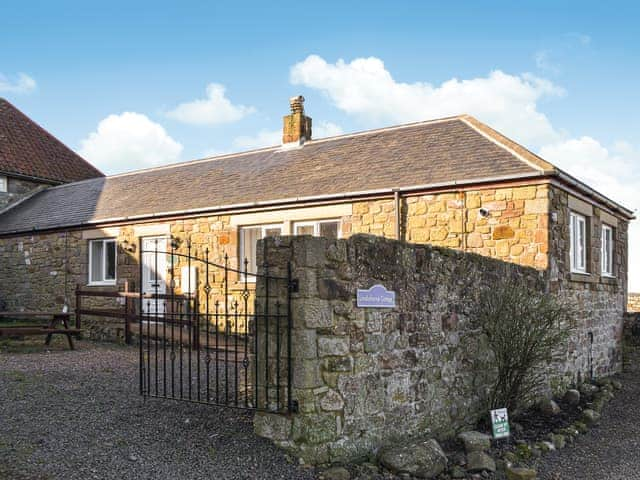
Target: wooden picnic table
(52, 327)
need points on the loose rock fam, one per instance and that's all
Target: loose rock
(422, 459)
(548, 407)
(572, 397)
(475, 441)
(590, 417)
(514, 473)
(480, 462)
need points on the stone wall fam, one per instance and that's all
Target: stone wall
(40, 272)
(600, 301)
(515, 228)
(633, 304)
(364, 377)
(17, 189)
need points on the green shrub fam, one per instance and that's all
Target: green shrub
(526, 331)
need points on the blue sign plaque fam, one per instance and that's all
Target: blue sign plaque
(376, 297)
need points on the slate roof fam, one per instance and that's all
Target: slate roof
(28, 149)
(442, 152)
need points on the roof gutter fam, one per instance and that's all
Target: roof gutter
(574, 182)
(30, 177)
(287, 201)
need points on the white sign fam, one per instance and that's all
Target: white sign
(376, 297)
(500, 423)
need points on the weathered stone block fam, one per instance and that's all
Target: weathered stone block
(331, 401)
(273, 426)
(315, 428)
(332, 346)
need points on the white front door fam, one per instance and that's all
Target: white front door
(154, 273)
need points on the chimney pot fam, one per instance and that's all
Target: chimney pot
(297, 104)
(296, 126)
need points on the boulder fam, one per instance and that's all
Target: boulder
(422, 459)
(572, 397)
(515, 473)
(475, 441)
(616, 384)
(480, 462)
(548, 407)
(590, 417)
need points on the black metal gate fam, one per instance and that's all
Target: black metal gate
(212, 333)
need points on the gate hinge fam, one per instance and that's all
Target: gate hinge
(294, 286)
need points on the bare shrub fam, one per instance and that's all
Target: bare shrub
(526, 330)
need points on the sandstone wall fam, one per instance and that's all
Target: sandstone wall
(515, 229)
(364, 377)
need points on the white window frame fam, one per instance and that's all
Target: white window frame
(606, 254)
(316, 225)
(251, 278)
(4, 184)
(102, 282)
(578, 250)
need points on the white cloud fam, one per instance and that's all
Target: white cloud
(22, 84)
(129, 141)
(510, 103)
(366, 89)
(612, 171)
(269, 138)
(215, 109)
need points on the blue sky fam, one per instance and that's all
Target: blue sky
(204, 77)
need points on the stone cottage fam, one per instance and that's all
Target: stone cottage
(452, 182)
(32, 159)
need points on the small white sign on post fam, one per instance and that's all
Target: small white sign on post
(500, 423)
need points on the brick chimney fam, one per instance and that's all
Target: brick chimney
(296, 126)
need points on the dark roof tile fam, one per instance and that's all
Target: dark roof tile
(413, 155)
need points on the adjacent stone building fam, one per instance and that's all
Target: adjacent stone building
(32, 159)
(451, 182)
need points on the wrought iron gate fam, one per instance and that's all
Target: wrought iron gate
(212, 333)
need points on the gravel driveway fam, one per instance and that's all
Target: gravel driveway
(77, 415)
(611, 450)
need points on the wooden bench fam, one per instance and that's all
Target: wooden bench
(58, 323)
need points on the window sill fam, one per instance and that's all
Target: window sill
(583, 277)
(101, 284)
(609, 280)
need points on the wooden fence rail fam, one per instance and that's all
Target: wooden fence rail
(127, 313)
